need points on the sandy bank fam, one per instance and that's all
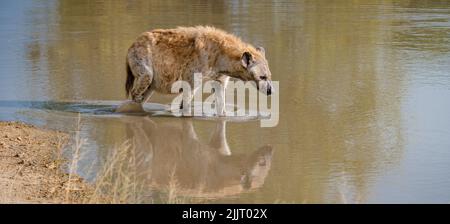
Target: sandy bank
(30, 167)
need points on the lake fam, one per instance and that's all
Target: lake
(364, 98)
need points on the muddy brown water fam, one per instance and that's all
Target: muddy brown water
(364, 96)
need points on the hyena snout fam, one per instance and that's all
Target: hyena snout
(266, 87)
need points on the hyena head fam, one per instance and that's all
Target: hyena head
(256, 68)
(257, 168)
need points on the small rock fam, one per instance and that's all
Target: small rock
(52, 190)
(21, 162)
(51, 166)
(19, 139)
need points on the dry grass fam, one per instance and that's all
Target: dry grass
(118, 182)
(118, 179)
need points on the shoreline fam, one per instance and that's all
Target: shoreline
(30, 166)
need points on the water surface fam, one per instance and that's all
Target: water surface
(364, 97)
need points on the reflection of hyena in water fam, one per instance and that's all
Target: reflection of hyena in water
(197, 168)
(161, 57)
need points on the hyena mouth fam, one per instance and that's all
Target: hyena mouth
(269, 90)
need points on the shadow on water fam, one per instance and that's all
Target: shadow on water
(171, 152)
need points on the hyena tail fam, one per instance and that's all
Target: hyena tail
(130, 80)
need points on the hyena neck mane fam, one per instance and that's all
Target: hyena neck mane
(225, 50)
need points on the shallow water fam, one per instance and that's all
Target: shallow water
(364, 97)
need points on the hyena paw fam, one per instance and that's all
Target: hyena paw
(130, 107)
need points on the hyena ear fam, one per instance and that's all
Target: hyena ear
(262, 50)
(246, 59)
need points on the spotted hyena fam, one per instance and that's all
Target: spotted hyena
(160, 57)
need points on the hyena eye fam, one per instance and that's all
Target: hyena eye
(263, 77)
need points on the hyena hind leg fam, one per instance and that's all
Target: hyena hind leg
(141, 88)
(143, 74)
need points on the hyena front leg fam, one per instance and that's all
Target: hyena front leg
(220, 90)
(195, 84)
(186, 103)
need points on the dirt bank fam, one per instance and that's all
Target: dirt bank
(30, 167)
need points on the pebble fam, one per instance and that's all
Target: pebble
(52, 190)
(51, 166)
